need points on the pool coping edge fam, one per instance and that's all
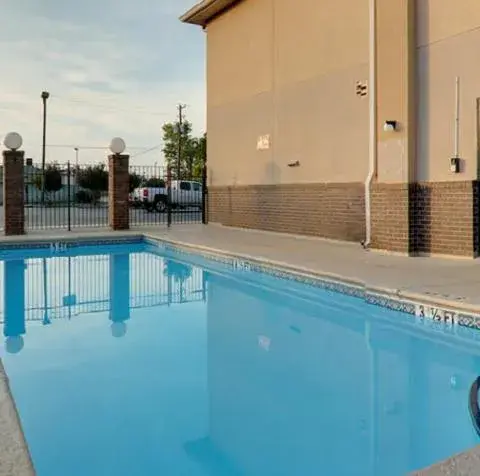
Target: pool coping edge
(419, 305)
(15, 455)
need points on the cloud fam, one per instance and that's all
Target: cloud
(112, 68)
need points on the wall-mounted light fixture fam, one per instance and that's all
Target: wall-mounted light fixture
(455, 165)
(390, 126)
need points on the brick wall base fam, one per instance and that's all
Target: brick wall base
(426, 218)
(335, 211)
(445, 218)
(390, 205)
(440, 218)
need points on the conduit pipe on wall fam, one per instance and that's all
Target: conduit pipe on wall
(457, 118)
(372, 95)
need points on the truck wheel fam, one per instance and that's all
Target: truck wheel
(161, 206)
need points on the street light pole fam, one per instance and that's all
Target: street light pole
(76, 157)
(45, 95)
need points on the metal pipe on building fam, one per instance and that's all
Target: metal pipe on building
(457, 118)
(372, 94)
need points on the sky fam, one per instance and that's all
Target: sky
(112, 68)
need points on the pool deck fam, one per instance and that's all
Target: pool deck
(447, 282)
(14, 456)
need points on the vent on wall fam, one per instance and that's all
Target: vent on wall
(361, 89)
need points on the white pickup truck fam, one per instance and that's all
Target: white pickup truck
(184, 194)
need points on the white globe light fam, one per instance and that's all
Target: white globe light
(117, 146)
(13, 141)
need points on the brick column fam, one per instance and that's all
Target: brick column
(13, 192)
(395, 71)
(118, 190)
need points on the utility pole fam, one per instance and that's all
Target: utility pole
(181, 108)
(45, 95)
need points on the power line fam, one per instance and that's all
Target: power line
(89, 147)
(110, 108)
(146, 151)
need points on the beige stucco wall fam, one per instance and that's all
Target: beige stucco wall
(448, 42)
(395, 72)
(288, 69)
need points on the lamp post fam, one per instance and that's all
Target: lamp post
(76, 157)
(117, 145)
(45, 95)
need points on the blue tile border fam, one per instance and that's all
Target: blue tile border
(423, 311)
(69, 243)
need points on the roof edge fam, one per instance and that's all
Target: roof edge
(204, 11)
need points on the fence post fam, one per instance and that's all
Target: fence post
(13, 191)
(204, 195)
(169, 196)
(69, 201)
(118, 191)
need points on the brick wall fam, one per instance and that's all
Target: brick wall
(445, 218)
(118, 190)
(335, 211)
(426, 218)
(431, 218)
(13, 192)
(390, 217)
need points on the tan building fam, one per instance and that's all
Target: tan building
(300, 94)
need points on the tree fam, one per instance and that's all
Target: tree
(200, 157)
(135, 181)
(52, 177)
(93, 178)
(155, 183)
(171, 140)
(193, 149)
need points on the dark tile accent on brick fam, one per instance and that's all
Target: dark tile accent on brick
(13, 192)
(426, 218)
(118, 190)
(333, 210)
(445, 218)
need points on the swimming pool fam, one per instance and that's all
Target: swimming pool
(132, 359)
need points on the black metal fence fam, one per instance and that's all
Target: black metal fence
(66, 196)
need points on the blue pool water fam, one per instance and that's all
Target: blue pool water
(126, 362)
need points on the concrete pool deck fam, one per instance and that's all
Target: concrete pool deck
(452, 283)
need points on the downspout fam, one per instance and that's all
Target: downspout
(372, 95)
